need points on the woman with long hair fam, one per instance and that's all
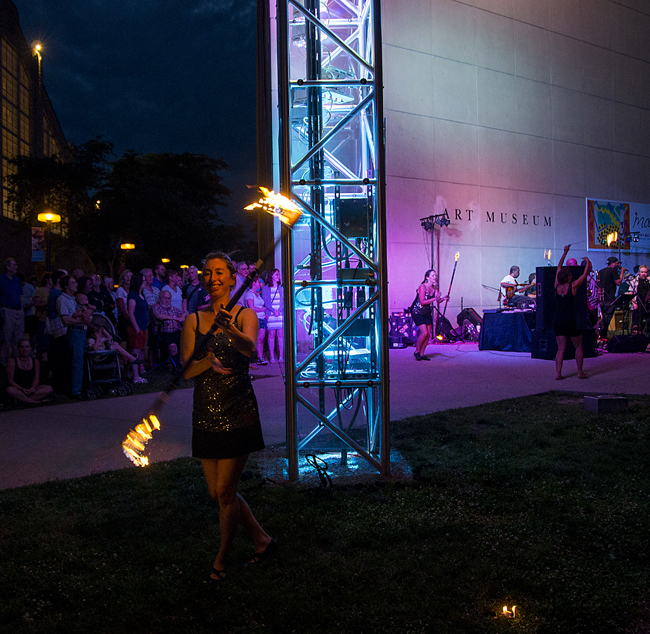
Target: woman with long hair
(564, 323)
(123, 284)
(225, 418)
(273, 297)
(136, 330)
(255, 302)
(426, 295)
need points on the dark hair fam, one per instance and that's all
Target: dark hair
(64, 280)
(513, 269)
(169, 273)
(57, 276)
(82, 281)
(136, 282)
(46, 276)
(219, 255)
(268, 277)
(564, 275)
(426, 275)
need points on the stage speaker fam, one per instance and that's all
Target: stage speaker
(470, 315)
(544, 345)
(546, 305)
(617, 323)
(354, 217)
(628, 343)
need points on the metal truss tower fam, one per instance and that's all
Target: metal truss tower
(331, 163)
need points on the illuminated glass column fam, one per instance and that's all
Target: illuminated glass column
(331, 163)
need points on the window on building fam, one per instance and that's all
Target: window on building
(15, 128)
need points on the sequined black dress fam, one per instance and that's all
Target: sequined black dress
(225, 418)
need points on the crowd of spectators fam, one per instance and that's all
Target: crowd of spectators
(48, 325)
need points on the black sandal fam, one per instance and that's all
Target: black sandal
(217, 575)
(258, 558)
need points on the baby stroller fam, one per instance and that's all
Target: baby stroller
(103, 369)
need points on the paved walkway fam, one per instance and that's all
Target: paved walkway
(76, 439)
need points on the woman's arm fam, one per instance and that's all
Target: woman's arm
(188, 338)
(37, 376)
(561, 263)
(266, 297)
(134, 323)
(122, 308)
(243, 334)
(11, 367)
(583, 277)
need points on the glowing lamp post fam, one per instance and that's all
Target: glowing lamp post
(48, 217)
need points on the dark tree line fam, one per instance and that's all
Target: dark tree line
(165, 204)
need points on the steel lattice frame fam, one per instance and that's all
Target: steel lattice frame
(331, 162)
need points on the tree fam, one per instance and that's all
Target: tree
(165, 204)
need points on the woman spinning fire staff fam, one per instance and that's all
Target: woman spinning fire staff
(426, 295)
(225, 418)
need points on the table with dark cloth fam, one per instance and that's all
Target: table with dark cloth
(509, 331)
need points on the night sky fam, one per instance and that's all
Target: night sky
(154, 76)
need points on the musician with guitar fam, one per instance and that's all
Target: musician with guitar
(426, 295)
(509, 286)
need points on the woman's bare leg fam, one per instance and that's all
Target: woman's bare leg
(260, 343)
(280, 336)
(423, 339)
(42, 391)
(272, 334)
(19, 395)
(580, 355)
(223, 478)
(559, 357)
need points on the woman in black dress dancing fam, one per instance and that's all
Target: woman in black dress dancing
(564, 324)
(225, 419)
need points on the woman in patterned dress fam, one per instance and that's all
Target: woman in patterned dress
(273, 297)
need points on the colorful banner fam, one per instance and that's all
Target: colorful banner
(614, 225)
(38, 244)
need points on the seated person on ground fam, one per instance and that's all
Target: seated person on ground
(23, 376)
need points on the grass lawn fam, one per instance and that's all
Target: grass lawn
(531, 502)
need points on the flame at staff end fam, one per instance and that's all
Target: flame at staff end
(612, 237)
(133, 445)
(277, 205)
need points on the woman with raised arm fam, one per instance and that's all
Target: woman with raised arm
(225, 419)
(564, 323)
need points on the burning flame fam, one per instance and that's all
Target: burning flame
(134, 444)
(511, 613)
(457, 256)
(612, 237)
(277, 205)
(547, 254)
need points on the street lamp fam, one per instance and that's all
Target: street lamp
(165, 260)
(48, 217)
(127, 246)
